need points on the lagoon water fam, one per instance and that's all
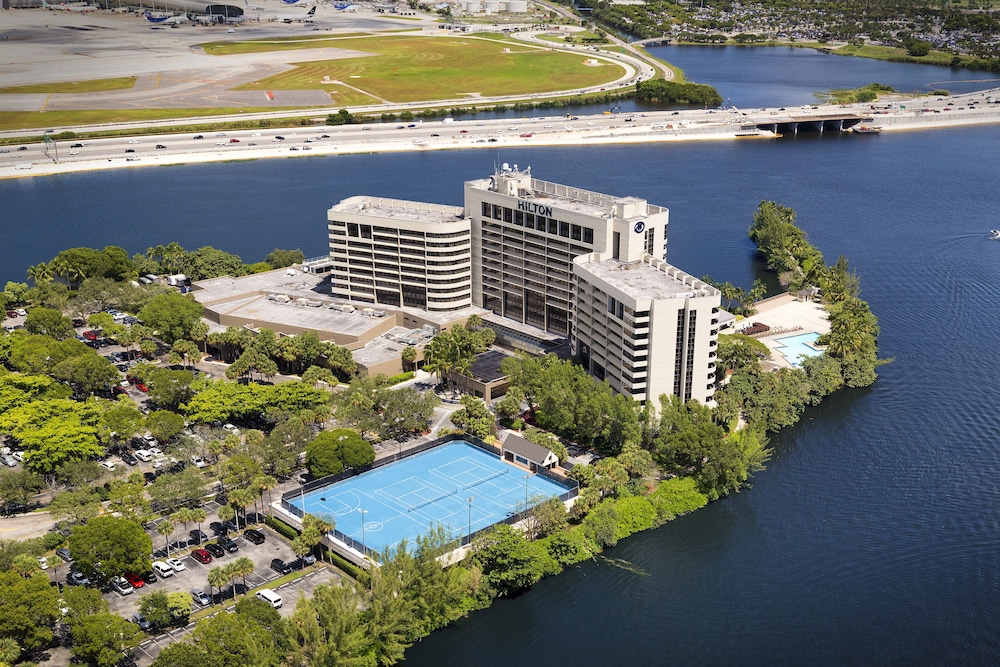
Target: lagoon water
(873, 537)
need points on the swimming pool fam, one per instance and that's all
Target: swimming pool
(793, 348)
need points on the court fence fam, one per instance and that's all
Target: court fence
(571, 486)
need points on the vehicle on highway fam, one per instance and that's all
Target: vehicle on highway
(199, 136)
(134, 141)
(201, 597)
(158, 146)
(129, 150)
(201, 556)
(254, 536)
(22, 148)
(74, 152)
(234, 141)
(121, 586)
(76, 145)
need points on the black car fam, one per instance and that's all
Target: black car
(149, 477)
(64, 554)
(215, 550)
(10, 509)
(128, 459)
(77, 146)
(254, 536)
(280, 566)
(198, 537)
(228, 543)
(77, 579)
(218, 528)
(160, 146)
(129, 150)
(199, 136)
(149, 578)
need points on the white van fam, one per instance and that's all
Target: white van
(143, 455)
(162, 569)
(270, 597)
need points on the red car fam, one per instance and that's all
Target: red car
(11, 314)
(141, 387)
(134, 579)
(90, 335)
(201, 556)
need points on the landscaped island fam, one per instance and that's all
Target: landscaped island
(59, 407)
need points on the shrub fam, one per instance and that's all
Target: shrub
(676, 496)
(401, 377)
(53, 541)
(281, 528)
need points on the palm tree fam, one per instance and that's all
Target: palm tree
(231, 574)
(243, 566)
(226, 512)
(217, 578)
(183, 517)
(54, 562)
(241, 499)
(25, 565)
(265, 483)
(10, 651)
(40, 273)
(197, 515)
(166, 528)
(408, 356)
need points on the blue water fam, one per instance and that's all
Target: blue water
(456, 485)
(872, 536)
(793, 348)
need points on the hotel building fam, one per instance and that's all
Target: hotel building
(540, 256)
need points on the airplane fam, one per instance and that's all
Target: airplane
(297, 18)
(345, 6)
(84, 8)
(164, 20)
(289, 2)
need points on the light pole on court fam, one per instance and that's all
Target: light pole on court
(471, 499)
(526, 478)
(364, 550)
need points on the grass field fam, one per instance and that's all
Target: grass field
(17, 120)
(95, 86)
(413, 69)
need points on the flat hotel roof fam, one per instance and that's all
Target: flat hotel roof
(640, 280)
(400, 209)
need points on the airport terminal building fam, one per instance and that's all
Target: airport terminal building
(543, 257)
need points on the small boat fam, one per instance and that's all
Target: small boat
(995, 234)
(866, 129)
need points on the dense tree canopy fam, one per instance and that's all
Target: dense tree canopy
(118, 544)
(171, 315)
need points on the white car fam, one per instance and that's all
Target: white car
(134, 141)
(156, 452)
(110, 465)
(230, 428)
(176, 563)
(22, 312)
(198, 462)
(162, 569)
(160, 462)
(143, 455)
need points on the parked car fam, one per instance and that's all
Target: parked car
(143, 455)
(9, 460)
(77, 579)
(216, 550)
(254, 536)
(128, 459)
(149, 578)
(163, 569)
(201, 556)
(201, 597)
(229, 544)
(198, 462)
(64, 554)
(176, 563)
(149, 477)
(141, 621)
(134, 580)
(280, 566)
(121, 586)
(198, 536)
(270, 597)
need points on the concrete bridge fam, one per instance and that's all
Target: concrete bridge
(805, 122)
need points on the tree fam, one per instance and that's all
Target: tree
(17, 486)
(48, 322)
(474, 417)
(217, 578)
(165, 528)
(408, 356)
(279, 259)
(53, 432)
(102, 639)
(164, 425)
(118, 545)
(155, 608)
(28, 609)
(333, 451)
(88, 372)
(26, 565)
(171, 315)
(209, 262)
(243, 567)
(545, 518)
(509, 562)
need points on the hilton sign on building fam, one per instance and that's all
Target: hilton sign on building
(583, 265)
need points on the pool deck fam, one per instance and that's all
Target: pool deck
(787, 313)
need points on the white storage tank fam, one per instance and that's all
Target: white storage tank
(517, 6)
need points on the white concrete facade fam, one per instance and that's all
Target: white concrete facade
(401, 253)
(579, 264)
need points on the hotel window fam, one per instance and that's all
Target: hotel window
(553, 226)
(487, 210)
(497, 212)
(650, 239)
(508, 215)
(588, 235)
(352, 229)
(575, 233)
(564, 229)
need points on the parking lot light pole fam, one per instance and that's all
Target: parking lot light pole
(364, 549)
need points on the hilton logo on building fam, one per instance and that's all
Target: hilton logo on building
(532, 207)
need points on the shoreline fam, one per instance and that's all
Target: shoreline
(659, 127)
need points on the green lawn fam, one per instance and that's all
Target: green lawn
(94, 86)
(17, 120)
(413, 69)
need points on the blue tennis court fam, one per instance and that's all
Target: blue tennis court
(454, 485)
